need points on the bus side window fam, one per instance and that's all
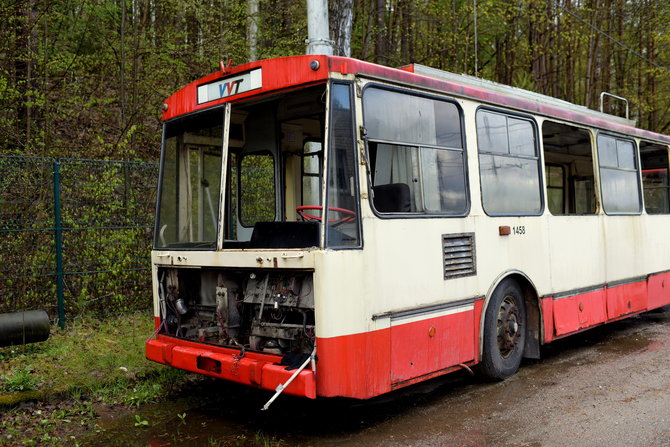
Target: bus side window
(508, 164)
(654, 160)
(568, 148)
(619, 181)
(417, 156)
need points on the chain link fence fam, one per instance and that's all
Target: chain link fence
(75, 235)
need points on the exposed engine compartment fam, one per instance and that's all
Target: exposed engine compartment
(264, 311)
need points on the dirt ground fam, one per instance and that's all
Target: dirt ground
(606, 387)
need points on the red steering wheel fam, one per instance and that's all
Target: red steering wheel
(347, 215)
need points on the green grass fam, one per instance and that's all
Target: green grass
(100, 357)
(92, 363)
(19, 380)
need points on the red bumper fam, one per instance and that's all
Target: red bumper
(253, 369)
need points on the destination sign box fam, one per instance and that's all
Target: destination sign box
(230, 86)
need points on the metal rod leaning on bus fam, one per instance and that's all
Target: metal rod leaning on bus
(265, 289)
(281, 387)
(205, 183)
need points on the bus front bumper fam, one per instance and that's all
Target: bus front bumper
(253, 369)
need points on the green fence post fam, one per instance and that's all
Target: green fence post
(59, 246)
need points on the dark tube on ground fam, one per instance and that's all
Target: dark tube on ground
(18, 328)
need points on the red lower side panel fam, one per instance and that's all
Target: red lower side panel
(443, 342)
(626, 299)
(564, 316)
(252, 369)
(368, 364)
(354, 365)
(579, 312)
(658, 290)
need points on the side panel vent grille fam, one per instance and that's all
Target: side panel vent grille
(459, 255)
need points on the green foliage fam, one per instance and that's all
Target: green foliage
(107, 213)
(19, 380)
(86, 78)
(140, 422)
(257, 186)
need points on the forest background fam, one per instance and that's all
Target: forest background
(86, 78)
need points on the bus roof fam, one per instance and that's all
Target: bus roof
(260, 77)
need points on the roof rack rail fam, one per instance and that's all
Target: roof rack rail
(620, 98)
(496, 87)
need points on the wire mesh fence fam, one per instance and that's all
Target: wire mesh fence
(75, 235)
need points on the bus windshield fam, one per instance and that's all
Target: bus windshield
(273, 191)
(191, 176)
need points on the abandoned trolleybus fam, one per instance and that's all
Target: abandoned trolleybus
(331, 227)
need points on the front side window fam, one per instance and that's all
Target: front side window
(416, 154)
(619, 181)
(191, 175)
(508, 164)
(342, 210)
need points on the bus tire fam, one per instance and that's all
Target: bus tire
(504, 332)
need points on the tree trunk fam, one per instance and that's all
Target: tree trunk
(592, 57)
(406, 32)
(341, 14)
(252, 29)
(381, 52)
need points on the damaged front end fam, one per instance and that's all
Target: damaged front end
(252, 327)
(267, 312)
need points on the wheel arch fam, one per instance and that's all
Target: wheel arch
(533, 312)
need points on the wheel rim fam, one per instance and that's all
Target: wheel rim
(509, 327)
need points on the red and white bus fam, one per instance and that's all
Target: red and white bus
(332, 227)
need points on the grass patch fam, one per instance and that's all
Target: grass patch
(19, 380)
(47, 424)
(91, 356)
(52, 390)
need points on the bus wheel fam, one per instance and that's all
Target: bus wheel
(504, 332)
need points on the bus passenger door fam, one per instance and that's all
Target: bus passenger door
(575, 227)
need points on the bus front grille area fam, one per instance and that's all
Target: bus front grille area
(258, 311)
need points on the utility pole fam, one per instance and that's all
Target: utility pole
(318, 39)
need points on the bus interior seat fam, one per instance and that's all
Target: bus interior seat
(392, 198)
(285, 235)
